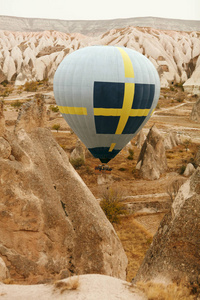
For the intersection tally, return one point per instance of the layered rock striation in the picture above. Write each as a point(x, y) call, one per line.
point(152, 161)
point(195, 113)
point(27, 56)
point(175, 251)
point(50, 223)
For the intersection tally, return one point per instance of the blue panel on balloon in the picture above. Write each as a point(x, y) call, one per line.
point(133, 124)
point(144, 94)
point(108, 94)
point(103, 153)
point(106, 124)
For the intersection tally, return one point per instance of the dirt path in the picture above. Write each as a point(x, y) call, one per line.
point(148, 196)
point(150, 222)
point(171, 108)
point(171, 116)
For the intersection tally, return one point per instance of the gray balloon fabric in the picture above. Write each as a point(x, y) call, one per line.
point(106, 94)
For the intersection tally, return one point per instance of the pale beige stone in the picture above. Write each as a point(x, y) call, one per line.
point(50, 221)
point(4, 273)
point(152, 156)
point(174, 252)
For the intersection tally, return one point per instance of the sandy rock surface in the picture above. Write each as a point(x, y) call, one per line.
point(174, 253)
point(50, 221)
point(90, 287)
point(4, 273)
point(195, 113)
point(152, 156)
point(36, 55)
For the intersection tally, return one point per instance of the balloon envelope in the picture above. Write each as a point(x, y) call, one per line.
point(106, 94)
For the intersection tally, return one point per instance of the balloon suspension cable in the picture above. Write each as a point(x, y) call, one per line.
point(102, 169)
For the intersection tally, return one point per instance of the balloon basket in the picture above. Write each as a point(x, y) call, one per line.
point(102, 169)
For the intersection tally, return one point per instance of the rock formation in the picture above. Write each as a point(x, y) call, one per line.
point(140, 139)
point(78, 154)
point(90, 286)
point(4, 273)
point(50, 223)
point(175, 251)
point(28, 56)
point(172, 140)
point(195, 114)
point(5, 148)
point(93, 27)
point(32, 114)
point(189, 170)
point(197, 157)
point(192, 85)
point(2, 119)
point(152, 156)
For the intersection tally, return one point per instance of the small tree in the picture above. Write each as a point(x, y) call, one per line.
point(19, 89)
point(77, 163)
point(186, 143)
point(16, 104)
point(56, 127)
point(131, 154)
point(54, 108)
point(31, 86)
point(112, 205)
point(173, 188)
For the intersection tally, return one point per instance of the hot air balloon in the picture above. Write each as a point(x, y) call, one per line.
point(106, 94)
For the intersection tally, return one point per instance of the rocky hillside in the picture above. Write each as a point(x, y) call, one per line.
point(36, 55)
point(93, 27)
point(50, 223)
point(175, 251)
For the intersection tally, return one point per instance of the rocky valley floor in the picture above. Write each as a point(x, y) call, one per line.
point(147, 200)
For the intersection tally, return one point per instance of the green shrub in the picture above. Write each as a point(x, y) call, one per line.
point(45, 82)
point(19, 89)
point(77, 163)
point(89, 171)
point(131, 154)
point(112, 205)
point(180, 85)
point(6, 92)
point(5, 82)
point(122, 169)
point(39, 96)
point(187, 143)
point(16, 104)
point(56, 127)
point(180, 100)
point(54, 108)
point(182, 169)
point(31, 86)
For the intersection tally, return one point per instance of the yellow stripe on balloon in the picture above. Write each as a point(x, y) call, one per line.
point(129, 90)
point(112, 147)
point(128, 68)
point(126, 108)
point(106, 112)
point(68, 110)
point(139, 112)
point(117, 112)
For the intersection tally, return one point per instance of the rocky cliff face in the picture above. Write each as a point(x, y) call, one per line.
point(175, 251)
point(195, 113)
point(50, 223)
point(152, 160)
point(36, 55)
point(93, 27)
